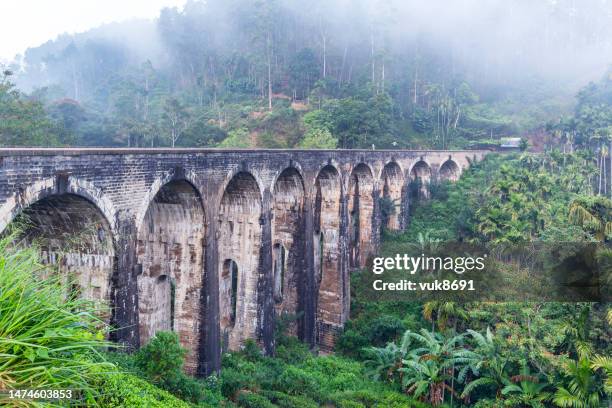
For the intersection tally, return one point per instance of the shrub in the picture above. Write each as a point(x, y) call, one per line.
point(234, 380)
point(296, 381)
point(162, 358)
point(124, 361)
point(293, 351)
point(125, 390)
point(283, 400)
point(47, 340)
point(250, 400)
point(385, 329)
point(161, 362)
point(187, 388)
point(374, 398)
point(251, 351)
point(351, 342)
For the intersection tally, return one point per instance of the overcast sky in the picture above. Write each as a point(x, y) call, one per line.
point(29, 23)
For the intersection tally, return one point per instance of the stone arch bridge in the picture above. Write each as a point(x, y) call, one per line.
point(215, 244)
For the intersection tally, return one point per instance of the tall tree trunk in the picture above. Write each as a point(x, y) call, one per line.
point(416, 75)
point(269, 46)
point(324, 55)
point(372, 56)
point(343, 63)
point(382, 77)
point(599, 167)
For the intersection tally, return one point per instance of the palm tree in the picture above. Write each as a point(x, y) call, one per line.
point(492, 366)
point(383, 362)
point(527, 389)
point(427, 243)
point(576, 330)
point(592, 213)
point(583, 390)
point(444, 314)
point(604, 363)
point(430, 366)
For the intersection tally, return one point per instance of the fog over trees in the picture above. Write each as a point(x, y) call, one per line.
point(265, 73)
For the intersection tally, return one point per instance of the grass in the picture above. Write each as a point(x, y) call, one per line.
point(48, 338)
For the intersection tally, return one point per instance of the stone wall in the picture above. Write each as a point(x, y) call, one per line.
point(216, 244)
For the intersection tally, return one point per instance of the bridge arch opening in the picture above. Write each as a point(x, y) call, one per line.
point(393, 183)
point(361, 210)
point(449, 171)
point(170, 250)
point(328, 274)
point(279, 255)
point(229, 290)
point(288, 235)
point(420, 177)
point(240, 235)
point(74, 236)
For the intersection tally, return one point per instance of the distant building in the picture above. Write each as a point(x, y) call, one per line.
point(510, 143)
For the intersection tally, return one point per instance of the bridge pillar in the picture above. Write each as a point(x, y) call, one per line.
point(405, 205)
point(210, 331)
point(376, 220)
point(308, 293)
point(267, 315)
point(125, 288)
point(344, 257)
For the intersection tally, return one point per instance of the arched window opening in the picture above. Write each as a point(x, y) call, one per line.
point(321, 255)
point(449, 171)
point(229, 288)
point(420, 177)
point(279, 256)
point(390, 202)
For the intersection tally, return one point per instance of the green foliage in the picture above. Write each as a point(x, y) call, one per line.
point(594, 214)
point(582, 388)
point(47, 340)
point(280, 399)
point(250, 400)
point(510, 354)
point(24, 121)
point(318, 138)
point(237, 138)
point(161, 359)
point(161, 362)
point(121, 390)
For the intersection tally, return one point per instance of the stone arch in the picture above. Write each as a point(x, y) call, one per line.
point(327, 253)
point(53, 186)
point(157, 185)
point(361, 210)
point(170, 250)
point(420, 177)
point(73, 234)
point(294, 167)
point(288, 235)
point(239, 239)
point(392, 179)
point(449, 171)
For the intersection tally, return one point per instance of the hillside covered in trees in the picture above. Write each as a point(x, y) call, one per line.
point(342, 74)
point(323, 74)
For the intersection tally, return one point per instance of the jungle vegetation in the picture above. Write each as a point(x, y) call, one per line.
point(272, 74)
point(266, 73)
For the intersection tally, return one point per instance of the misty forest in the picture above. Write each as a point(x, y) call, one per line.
point(528, 80)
